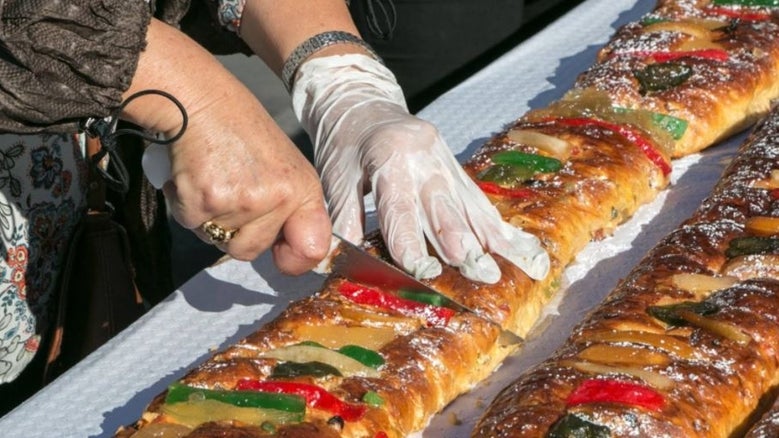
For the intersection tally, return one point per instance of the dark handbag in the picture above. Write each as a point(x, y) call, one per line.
point(97, 297)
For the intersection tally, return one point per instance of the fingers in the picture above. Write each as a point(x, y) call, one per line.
point(342, 183)
point(305, 240)
point(427, 199)
point(460, 223)
point(299, 240)
point(271, 203)
point(522, 249)
point(403, 232)
point(343, 190)
point(361, 127)
point(302, 242)
point(452, 237)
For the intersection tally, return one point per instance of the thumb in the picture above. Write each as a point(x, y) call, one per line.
point(304, 239)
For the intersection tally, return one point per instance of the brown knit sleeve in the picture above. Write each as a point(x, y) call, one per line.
point(63, 61)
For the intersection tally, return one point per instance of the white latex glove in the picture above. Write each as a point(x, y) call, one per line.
point(355, 112)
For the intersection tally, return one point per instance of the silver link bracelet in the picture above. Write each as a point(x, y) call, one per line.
point(315, 44)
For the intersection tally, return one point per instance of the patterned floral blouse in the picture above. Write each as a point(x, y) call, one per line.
point(42, 186)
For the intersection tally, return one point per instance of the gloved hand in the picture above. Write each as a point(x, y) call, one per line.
point(365, 138)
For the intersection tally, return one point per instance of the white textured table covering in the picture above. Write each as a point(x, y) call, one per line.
point(227, 302)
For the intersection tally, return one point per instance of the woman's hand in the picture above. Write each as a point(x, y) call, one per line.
point(233, 166)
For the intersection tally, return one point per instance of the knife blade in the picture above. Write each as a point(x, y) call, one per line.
point(358, 265)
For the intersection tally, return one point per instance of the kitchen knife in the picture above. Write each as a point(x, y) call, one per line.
point(358, 265)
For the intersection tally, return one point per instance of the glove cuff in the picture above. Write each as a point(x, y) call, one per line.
point(324, 81)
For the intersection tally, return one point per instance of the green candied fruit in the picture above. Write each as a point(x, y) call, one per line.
point(505, 175)
point(670, 314)
point(673, 125)
point(652, 19)
point(745, 2)
point(424, 297)
point(363, 355)
point(573, 426)
point(287, 370)
point(752, 245)
point(534, 162)
point(179, 393)
point(662, 76)
point(372, 398)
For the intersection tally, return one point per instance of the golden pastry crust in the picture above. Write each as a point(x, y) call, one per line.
point(713, 375)
point(604, 181)
point(425, 366)
point(721, 96)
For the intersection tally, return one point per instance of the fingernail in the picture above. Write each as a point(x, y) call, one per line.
point(525, 251)
point(425, 267)
point(325, 265)
point(480, 267)
point(534, 261)
point(539, 266)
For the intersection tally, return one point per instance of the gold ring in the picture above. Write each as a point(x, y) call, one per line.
point(217, 234)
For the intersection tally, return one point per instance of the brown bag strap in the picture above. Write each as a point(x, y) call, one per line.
point(96, 202)
point(96, 189)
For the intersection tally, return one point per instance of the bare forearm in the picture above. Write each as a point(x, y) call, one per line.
point(174, 63)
